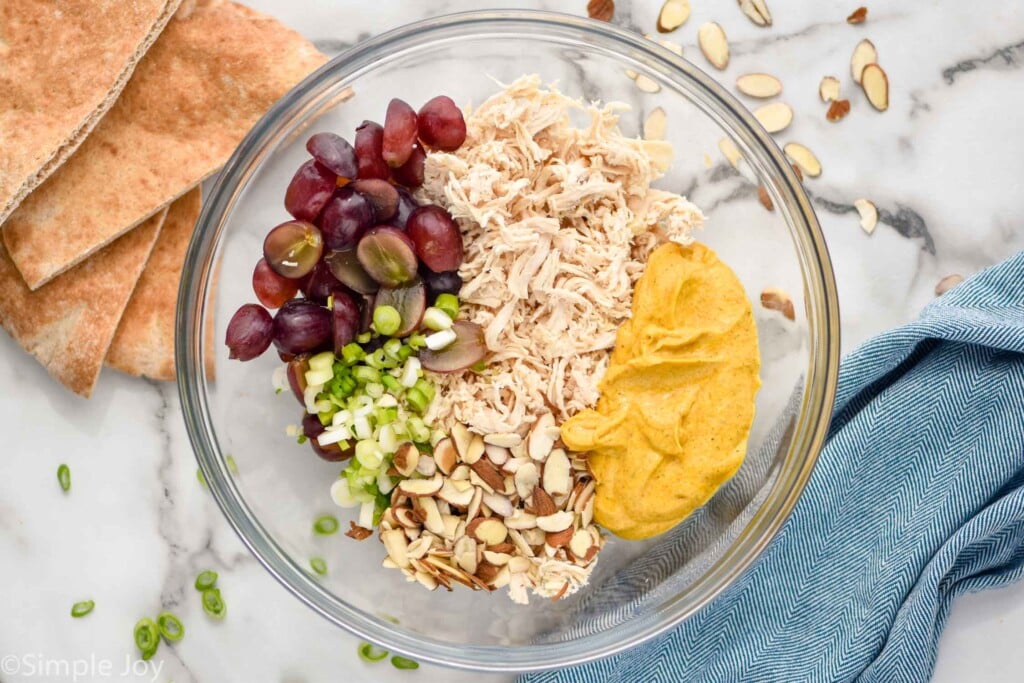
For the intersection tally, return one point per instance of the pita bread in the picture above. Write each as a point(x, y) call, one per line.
point(68, 324)
point(144, 343)
point(193, 97)
point(62, 65)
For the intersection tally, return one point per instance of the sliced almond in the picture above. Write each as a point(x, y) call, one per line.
point(474, 505)
point(396, 546)
point(486, 470)
point(520, 565)
point(451, 527)
point(433, 522)
point(460, 473)
point(875, 84)
point(522, 547)
point(474, 450)
point(776, 299)
point(660, 153)
point(465, 554)
point(555, 522)
point(419, 547)
point(714, 45)
point(759, 85)
point(868, 214)
point(765, 198)
point(655, 124)
point(406, 458)
point(426, 580)
point(445, 456)
point(602, 10)
point(496, 454)
point(671, 45)
point(406, 518)
point(864, 54)
point(421, 487)
point(580, 543)
point(557, 473)
point(499, 504)
point(455, 495)
point(828, 89)
point(584, 496)
point(729, 150)
point(775, 117)
point(673, 14)
point(756, 11)
point(426, 466)
point(837, 110)
point(542, 437)
point(559, 539)
point(504, 440)
point(858, 16)
point(630, 74)
point(542, 503)
point(487, 530)
point(521, 519)
point(804, 158)
point(357, 532)
point(487, 572)
point(461, 437)
point(646, 83)
point(947, 283)
point(499, 559)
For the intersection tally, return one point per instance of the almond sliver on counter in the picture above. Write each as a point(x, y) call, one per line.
point(193, 97)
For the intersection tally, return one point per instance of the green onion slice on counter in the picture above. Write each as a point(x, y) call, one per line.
point(400, 662)
point(170, 627)
point(318, 565)
point(213, 604)
point(64, 477)
point(147, 637)
point(325, 525)
point(368, 652)
point(80, 609)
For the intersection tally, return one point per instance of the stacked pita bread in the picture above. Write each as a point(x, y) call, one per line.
point(94, 237)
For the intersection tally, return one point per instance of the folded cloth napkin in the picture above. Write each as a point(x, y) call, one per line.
point(917, 497)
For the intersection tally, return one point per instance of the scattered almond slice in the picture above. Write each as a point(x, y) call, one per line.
point(775, 117)
point(875, 84)
point(673, 14)
point(655, 124)
point(858, 16)
point(828, 90)
point(864, 54)
point(630, 74)
point(759, 85)
point(602, 10)
point(765, 198)
point(947, 283)
point(670, 45)
point(776, 299)
point(647, 84)
point(660, 153)
point(868, 214)
point(714, 45)
point(799, 173)
point(730, 152)
point(804, 158)
point(837, 110)
point(756, 11)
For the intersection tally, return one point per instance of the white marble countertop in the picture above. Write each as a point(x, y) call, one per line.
point(944, 163)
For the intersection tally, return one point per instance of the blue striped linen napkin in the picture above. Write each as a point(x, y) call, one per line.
point(918, 496)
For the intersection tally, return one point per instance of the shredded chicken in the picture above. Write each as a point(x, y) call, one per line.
point(558, 222)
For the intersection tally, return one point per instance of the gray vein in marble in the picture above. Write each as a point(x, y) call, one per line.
point(905, 220)
point(1006, 58)
point(334, 46)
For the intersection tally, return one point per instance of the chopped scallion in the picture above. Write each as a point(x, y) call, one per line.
point(147, 637)
point(170, 627)
point(80, 609)
point(318, 565)
point(400, 662)
point(213, 604)
point(386, 320)
point(325, 525)
point(206, 580)
point(64, 477)
point(368, 652)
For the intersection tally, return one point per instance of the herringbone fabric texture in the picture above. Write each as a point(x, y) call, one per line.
point(918, 496)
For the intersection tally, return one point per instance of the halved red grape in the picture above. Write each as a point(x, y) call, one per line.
point(272, 289)
point(296, 371)
point(410, 302)
point(345, 319)
point(381, 194)
point(366, 319)
point(436, 237)
point(370, 151)
point(410, 173)
point(321, 284)
point(334, 153)
point(388, 256)
point(399, 132)
point(441, 124)
point(302, 326)
point(292, 249)
point(346, 267)
point(447, 282)
point(249, 332)
point(345, 218)
point(406, 205)
point(309, 191)
point(468, 349)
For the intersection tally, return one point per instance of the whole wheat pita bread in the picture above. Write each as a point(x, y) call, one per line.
point(69, 323)
point(193, 97)
point(62, 65)
point(144, 342)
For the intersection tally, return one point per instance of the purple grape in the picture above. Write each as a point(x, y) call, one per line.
point(272, 289)
point(468, 349)
point(249, 332)
point(410, 173)
point(447, 282)
point(345, 316)
point(292, 249)
point(321, 284)
point(345, 218)
point(441, 124)
point(406, 205)
point(370, 151)
point(302, 326)
point(388, 256)
point(399, 132)
point(309, 191)
point(381, 194)
point(410, 302)
point(437, 238)
point(346, 267)
point(333, 153)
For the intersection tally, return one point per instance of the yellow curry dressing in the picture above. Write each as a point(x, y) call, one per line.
point(677, 402)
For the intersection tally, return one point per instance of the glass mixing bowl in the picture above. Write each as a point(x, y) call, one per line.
point(638, 589)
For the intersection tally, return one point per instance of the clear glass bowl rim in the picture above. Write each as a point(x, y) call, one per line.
point(820, 299)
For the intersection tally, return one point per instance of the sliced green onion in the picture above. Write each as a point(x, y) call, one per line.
point(64, 477)
point(352, 353)
point(368, 652)
point(417, 341)
point(386, 320)
point(391, 383)
point(415, 398)
point(426, 388)
point(436, 319)
point(170, 627)
point(213, 604)
point(391, 347)
point(322, 361)
point(147, 637)
point(364, 338)
point(400, 662)
point(206, 580)
point(325, 525)
point(449, 303)
point(478, 366)
point(80, 609)
point(374, 389)
point(318, 565)
point(365, 374)
point(405, 352)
